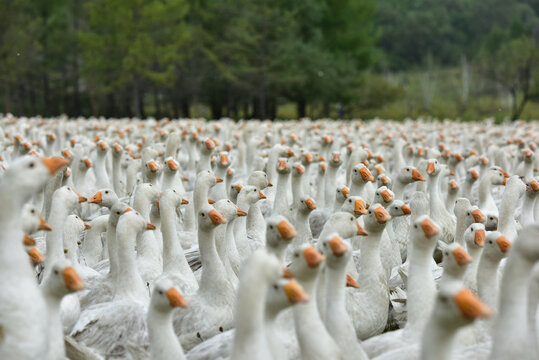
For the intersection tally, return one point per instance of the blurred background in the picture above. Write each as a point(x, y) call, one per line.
point(270, 58)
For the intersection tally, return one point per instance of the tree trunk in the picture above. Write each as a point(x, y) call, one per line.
point(301, 108)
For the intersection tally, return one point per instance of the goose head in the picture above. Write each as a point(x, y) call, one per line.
point(62, 280)
point(209, 218)
point(116, 211)
point(474, 215)
point(433, 168)
point(336, 250)
point(472, 175)
point(306, 261)
point(223, 162)
point(398, 208)
point(171, 165)
point(207, 178)
point(228, 209)
point(282, 294)
point(342, 193)
point(455, 307)
point(307, 158)
point(172, 197)
point(279, 233)
point(532, 188)
point(335, 160)
point(85, 164)
point(361, 174)
point(527, 155)
point(148, 192)
point(259, 179)
point(306, 205)
point(376, 218)
point(166, 297)
point(496, 246)
point(135, 221)
point(101, 148)
point(383, 180)
point(453, 187)
point(355, 205)
point(250, 194)
point(474, 236)
point(28, 174)
point(207, 146)
point(117, 150)
point(297, 170)
point(152, 169)
point(68, 196)
point(105, 197)
point(344, 224)
point(32, 220)
point(383, 196)
point(455, 259)
point(497, 176)
point(424, 232)
point(283, 166)
point(526, 244)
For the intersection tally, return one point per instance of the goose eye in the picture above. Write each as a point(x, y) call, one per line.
point(106, 192)
point(69, 189)
point(173, 190)
point(55, 272)
point(370, 212)
point(491, 218)
point(31, 165)
point(254, 190)
point(351, 219)
point(490, 242)
point(160, 292)
point(415, 226)
point(203, 214)
point(407, 169)
point(350, 201)
point(296, 255)
point(446, 253)
point(117, 213)
point(271, 227)
point(396, 208)
point(325, 245)
point(275, 287)
point(33, 211)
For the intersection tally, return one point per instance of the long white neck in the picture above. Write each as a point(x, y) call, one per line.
point(169, 178)
point(128, 282)
point(55, 247)
point(213, 276)
point(164, 343)
point(437, 341)
point(174, 261)
point(528, 207)
point(54, 330)
point(512, 311)
point(461, 229)
point(329, 186)
point(280, 205)
point(398, 189)
point(112, 247)
point(100, 170)
point(437, 207)
point(297, 189)
point(508, 208)
point(421, 290)
point(303, 228)
point(117, 174)
point(487, 289)
point(485, 197)
point(371, 263)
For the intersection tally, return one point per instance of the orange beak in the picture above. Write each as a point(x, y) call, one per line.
point(338, 247)
point(238, 188)
point(153, 166)
point(478, 216)
point(43, 225)
point(261, 196)
point(97, 198)
point(503, 244)
point(366, 174)
point(461, 256)
point(336, 157)
point(27, 240)
point(430, 168)
point(386, 196)
point(308, 157)
point(350, 282)
point(295, 293)
point(359, 207)
point(72, 280)
point(416, 175)
point(453, 184)
point(117, 148)
point(310, 204)
point(345, 191)
point(382, 216)
point(88, 163)
point(127, 210)
point(534, 185)
point(282, 165)
point(81, 198)
point(384, 180)
point(211, 201)
point(224, 159)
point(209, 144)
point(149, 226)
point(216, 218)
point(185, 201)
point(459, 157)
point(286, 230)
point(35, 256)
point(176, 299)
point(67, 154)
point(172, 165)
point(479, 238)
point(218, 180)
point(360, 231)
point(87, 226)
point(406, 209)
point(312, 257)
point(470, 306)
point(474, 174)
point(240, 212)
point(54, 163)
point(300, 169)
point(102, 145)
point(429, 228)
point(287, 274)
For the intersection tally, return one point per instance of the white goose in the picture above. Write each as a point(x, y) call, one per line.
point(22, 307)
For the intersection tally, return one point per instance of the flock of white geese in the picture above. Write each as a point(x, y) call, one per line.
point(330, 240)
